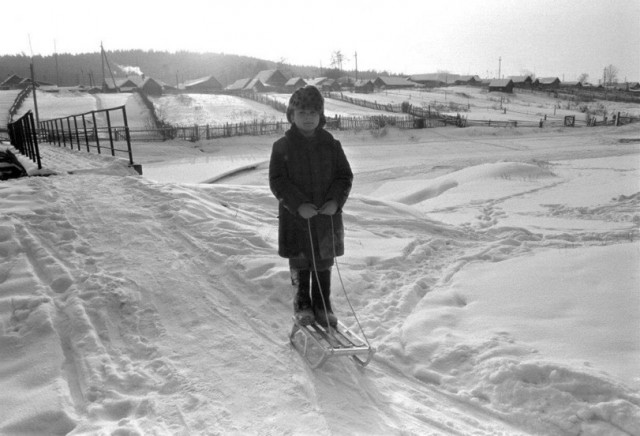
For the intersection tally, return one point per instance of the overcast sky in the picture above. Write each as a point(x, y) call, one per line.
point(562, 38)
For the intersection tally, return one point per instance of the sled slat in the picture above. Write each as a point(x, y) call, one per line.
point(330, 343)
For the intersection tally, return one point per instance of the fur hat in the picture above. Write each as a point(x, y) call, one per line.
point(306, 98)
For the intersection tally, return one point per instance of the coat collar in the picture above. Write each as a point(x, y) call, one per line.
point(321, 135)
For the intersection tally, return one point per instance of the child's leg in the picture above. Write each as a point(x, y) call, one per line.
point(302, 300)
point(321, 293)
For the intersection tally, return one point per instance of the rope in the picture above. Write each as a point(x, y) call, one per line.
point(315, 269)
point(333, 239)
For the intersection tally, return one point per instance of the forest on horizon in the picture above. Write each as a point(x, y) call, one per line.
point(66, 69)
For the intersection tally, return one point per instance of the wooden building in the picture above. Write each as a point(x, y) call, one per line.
point(432, 80)
point(237, 86)
point(11, 82)
point(295, 83)
point(468, 80)
point(206, 84)
point(524, 82)
point(364, 86)
point(389, 82)
point(501, 85)
point(271, 79)
point(547, 83)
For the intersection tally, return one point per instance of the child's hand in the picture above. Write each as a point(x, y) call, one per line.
point(329, 208)
point(307, 210)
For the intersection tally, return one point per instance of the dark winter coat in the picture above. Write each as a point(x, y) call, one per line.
point(309, 171)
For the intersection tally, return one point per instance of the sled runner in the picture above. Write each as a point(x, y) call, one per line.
point(317, 344)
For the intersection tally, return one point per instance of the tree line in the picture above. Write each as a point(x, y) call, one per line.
point(66, 69)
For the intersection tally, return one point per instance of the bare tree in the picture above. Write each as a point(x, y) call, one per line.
point(582, 78)
point(610, 75)
point(337, 59)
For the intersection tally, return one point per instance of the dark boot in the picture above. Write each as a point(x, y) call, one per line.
point(302, 308)
point(321, 293)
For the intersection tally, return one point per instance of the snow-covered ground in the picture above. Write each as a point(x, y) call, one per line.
point(203, 109)
point(476, 103)
point(495, 271)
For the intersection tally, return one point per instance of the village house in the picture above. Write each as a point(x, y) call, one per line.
point(388, 82)
point(11, 82)
point(256, 85)
point(524, 82)
point(272, 80)
point(469, 80)
point(501, 85)
point(432, 80)
point(575, 84)
point(364, 86)
point(204, 85)
point(324, 84)
point(294, 83)
point(237, 86)
point(118, 85)
point(547, 83)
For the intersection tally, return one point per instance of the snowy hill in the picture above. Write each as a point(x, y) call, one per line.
point(494, 271)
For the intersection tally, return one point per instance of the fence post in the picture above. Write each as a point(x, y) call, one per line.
point(75, 123)
point(57, 132)
point(86, 135)
point(35, 143)
point(113, 151)
point(128, 137)
point(64, 137)
point(95, 130)
point(70, 133)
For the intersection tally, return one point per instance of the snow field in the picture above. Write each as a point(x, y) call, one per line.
point(492, 271)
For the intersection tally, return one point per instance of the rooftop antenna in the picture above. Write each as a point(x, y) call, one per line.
point(33, 84)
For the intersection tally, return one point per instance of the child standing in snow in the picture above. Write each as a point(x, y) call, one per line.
point(311, 177)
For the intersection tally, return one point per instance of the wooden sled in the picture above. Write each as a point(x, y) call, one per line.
point(317, 344)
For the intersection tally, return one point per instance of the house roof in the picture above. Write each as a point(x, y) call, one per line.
point(294, 81)
point(394, 81)
point(547, 80)
point(437, 77)
point(500, 83)
point(203, 80)
point(363, 82)
point(238, 84)
point(519, 79)
point(254, 83)
point(317, 81)
point(13, 79)
point(266, 76)
point(467, 78)
point(126, 82)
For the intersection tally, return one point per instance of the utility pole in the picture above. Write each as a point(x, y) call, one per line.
point(356, 57)
point(104, 81)
point(33, 89)
point(33, 85)
point(499, 67)
point(55, 53)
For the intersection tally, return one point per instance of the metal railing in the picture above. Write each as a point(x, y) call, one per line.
point(24, 137)
point(98, 131)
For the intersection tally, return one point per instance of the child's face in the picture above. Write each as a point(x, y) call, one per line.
point(306, 120)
